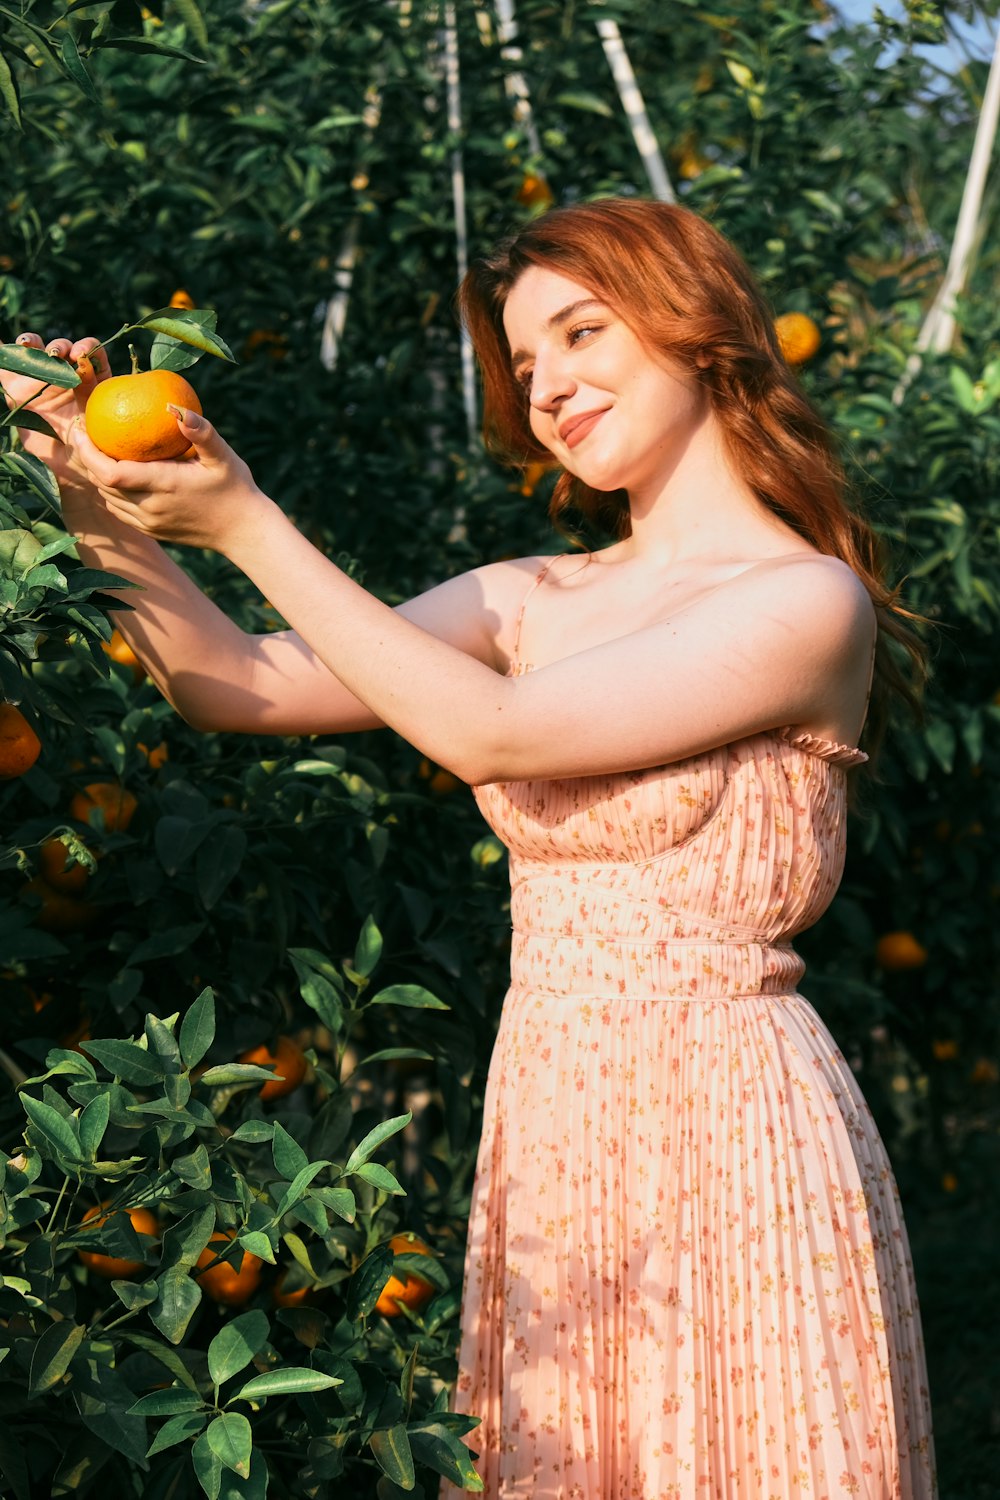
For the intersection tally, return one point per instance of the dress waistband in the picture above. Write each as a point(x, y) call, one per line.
point(588, 966)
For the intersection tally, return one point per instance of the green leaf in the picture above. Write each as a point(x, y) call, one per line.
point(167, 1403)
point(231, 1440)
point(365, 1286)
point(198, 1028)
point(236, 1073)
point(8, 90)
point(207, 1466)
point(443, 1451)
point(218, 863)
point(380, 1177)
point(592, 104)
point(178, 1299)
point(338, 1200)
point(396, 1054)
point(193, 20)
point(52, 1355)
point(177, 1430)
point(73, 64)
point(167, 944)
point(391, 1448)
point(135, 1295)
point(188, 333)
point(234, 1346)
point(93, 1124)
point(254, 1131)
point(369, 948)
point(288, 1156)
point(126, 1061)
point(412, 995)
point(290, 1380)
point(166, 1356)
point(297, 1188)
point(186, 1238)
point(39, 366)
point(258, 1243)
point(374, 1139)
point(59, 1134)
point(40, 478)
point(963, 389)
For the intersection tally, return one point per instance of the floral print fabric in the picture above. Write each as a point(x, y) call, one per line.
point(687, 1272)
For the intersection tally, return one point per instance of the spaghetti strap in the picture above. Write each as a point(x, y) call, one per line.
point(531, 589)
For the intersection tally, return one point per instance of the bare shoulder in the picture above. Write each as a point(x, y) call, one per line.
point(821, 596)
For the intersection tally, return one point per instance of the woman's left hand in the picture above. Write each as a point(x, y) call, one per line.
point(205, 500)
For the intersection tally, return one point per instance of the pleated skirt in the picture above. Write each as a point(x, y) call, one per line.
point(687, 1274)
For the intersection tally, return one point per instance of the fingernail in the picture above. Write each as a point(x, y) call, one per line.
point(189, 418)
point(23, 338)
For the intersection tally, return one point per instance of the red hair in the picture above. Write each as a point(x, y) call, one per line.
point(685, 291)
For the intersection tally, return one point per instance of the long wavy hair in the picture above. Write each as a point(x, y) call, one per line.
point(684, 291)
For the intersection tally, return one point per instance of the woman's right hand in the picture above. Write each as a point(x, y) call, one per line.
point(59, 407)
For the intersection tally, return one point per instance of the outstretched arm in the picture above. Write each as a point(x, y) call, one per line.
point(753, 656)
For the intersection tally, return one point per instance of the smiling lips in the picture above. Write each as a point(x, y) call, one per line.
point(576, 429)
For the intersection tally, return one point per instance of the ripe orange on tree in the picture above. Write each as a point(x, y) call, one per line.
point(222, 1282)
point(53, 857)
point(181, 298)
point(535, 192)
point(111, 1266)
point(60, 912)
point(127, 416)
point(798, 336)
point(119, 650)
point(281, 1298)
point(900, 950)
point(157, 757)
point(20, 746)
point(441, 782)
point(288, 1060)
point(415, 1292)
point(115, 801)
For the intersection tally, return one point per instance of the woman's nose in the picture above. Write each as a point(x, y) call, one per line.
point(551, 382)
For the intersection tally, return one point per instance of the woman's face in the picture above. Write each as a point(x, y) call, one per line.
point(610, 410)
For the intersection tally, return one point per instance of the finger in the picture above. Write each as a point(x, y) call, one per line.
point(201, 434)
point(129, 481)
point(90, 360)
point(59, 348)
point(30, 340)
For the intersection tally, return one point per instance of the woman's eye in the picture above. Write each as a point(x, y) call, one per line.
point(575, 334)
point(523, 380)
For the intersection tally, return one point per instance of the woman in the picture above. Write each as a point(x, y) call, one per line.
point(687, 1272)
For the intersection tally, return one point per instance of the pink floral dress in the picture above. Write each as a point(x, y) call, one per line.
point(687, 1272)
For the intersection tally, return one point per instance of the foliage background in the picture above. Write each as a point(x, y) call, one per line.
point(834, 159)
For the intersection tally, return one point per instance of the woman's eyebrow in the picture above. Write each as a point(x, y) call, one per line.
point(556, 321)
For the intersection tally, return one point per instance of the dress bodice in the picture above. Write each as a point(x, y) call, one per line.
point(687, 878)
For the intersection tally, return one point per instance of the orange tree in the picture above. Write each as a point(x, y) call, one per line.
point(236, 152)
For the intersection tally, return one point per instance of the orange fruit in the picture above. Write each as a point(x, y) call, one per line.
point(157, 757)
point(181, 298)
point(69, 878)
point(223, 1283)
point(115, 801)
point(109, 1265)
point(127, 416)
point(798, 336)
point(119, 650)
point(59, 912)
point(441, 781)
point(281, 1298)
point(535, 192)
point(900, 950)
point(415, 1292)
point(20, 746)
point(944, 1049)
point(268, 341)
point(534, 473)
point(287, 1059)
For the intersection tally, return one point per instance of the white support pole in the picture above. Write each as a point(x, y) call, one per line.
point(938, 329)
point(514, 80)
point(336, 308)
point(635, 110)
point(454, 96)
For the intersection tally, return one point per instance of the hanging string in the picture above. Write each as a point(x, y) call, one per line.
point(454, 97)
point(515, 83)
point(938, 329)
point(635, 111)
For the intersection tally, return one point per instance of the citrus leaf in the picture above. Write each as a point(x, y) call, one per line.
point(297, 1187)
point(198, 1028)
point(193, 20)
point(391, 1448)
point(73, 64)
point(167, 1403)
point(286, 1382)
point(380, 1177)
point(189, 333)
point(175, 1306)
point(231, 1440)
point(8, 89)
point(234, 1346)
point(288, 1156)
point(51, 1356)
point(369, 948)
point(413, 995)
point(60, 1134)
point(93, 1124)
point(374, 1139)
point(38, 366)
point(177, 1430)
point(126, 1061)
